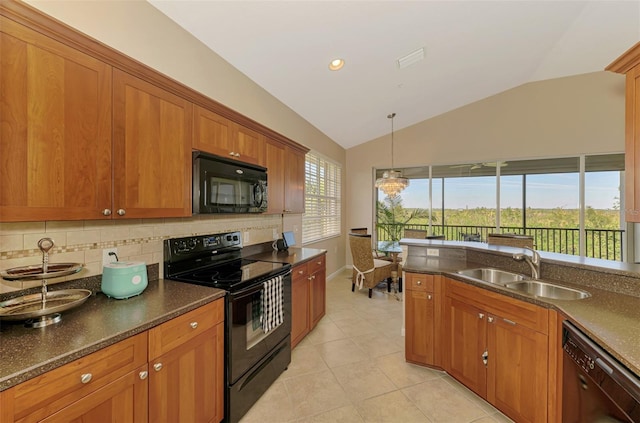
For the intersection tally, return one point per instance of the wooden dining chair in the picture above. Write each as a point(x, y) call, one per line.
point(415, 233)
point(368, 272)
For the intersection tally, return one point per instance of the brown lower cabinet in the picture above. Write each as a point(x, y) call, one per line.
point(173, 372)
point(308, 297)
point(497, 346)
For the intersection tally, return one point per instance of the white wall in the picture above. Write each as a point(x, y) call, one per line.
point(582, 114)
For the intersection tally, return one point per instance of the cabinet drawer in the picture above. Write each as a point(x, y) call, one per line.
point(42, 396)
point(419, 282)
point(183, 328)
point(508, 309)
point(300, 271)
point(316, 264)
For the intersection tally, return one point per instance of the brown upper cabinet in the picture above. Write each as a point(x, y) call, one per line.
point(285, 178)
point(55, 136)
point(87, 133)
point(218, 135)
point(629, 64)
point(151, 149)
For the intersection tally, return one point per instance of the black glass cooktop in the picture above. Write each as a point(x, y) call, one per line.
point(233, 274)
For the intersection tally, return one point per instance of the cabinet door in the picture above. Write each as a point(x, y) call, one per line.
point(419, 327)
point(275, 177)
point(124, 400)
point(300, 324)
point(152, 150)
point(55, 129)
point(294, 181)
point(632, 146)
point(186, 384)
point(248, 145)
point(517, 370)
point(212, 133)
point(466, 339)
point(318, 296)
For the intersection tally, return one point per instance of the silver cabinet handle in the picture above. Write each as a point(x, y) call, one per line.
point(237, 154)
point(511, 322)
point(428, 296)
point(286, 210)
point(143, 374)
point(121, 212)
point(106, 212)
point(480, 315)
point(485, 357)
point(318, 263)
point(300, 272)
point(418, 283)
point(157, 367)
point(193, 325)
point(490, 319)
point(86, 378)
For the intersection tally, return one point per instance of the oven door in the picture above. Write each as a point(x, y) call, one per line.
point(246, 342)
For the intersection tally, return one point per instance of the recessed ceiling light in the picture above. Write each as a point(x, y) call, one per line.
point(336, 64)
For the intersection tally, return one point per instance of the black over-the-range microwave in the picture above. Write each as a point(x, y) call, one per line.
point(222, 185)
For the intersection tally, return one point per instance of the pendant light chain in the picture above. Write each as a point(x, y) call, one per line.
point(391, 116)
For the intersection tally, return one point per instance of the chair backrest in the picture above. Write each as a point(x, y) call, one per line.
point(361, 231)
point(361, 251)
point(510, 240)
point(415, 233)
point(436, 237)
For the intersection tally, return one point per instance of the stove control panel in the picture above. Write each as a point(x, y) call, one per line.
point(199, 244)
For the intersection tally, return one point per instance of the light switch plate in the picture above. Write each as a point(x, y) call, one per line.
point(433, 252)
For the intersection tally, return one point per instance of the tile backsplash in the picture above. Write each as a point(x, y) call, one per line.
point(135, 239)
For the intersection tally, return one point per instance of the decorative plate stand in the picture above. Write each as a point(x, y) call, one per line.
point(39, 310)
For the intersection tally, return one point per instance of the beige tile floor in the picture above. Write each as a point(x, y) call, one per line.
point(351, 368)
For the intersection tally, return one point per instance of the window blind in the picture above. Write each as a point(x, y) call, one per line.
point(323, 180)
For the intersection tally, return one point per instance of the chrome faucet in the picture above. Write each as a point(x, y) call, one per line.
point(533, 261)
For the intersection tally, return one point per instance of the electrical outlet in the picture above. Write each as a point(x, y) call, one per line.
point(245, 237)
point(433, 252)
point(106, 258)
point(275, 234)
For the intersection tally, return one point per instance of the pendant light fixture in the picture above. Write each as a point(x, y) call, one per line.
point(392, 181)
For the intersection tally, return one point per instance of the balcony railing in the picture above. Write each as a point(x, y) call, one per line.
point(604, 244)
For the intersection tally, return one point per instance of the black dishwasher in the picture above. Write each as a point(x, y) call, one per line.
point(596, 387)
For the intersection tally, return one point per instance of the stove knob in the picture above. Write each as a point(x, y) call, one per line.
point(236, 238)
point(229, 238)
point(192, 243)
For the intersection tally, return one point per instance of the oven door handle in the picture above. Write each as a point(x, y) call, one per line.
point(255, 288)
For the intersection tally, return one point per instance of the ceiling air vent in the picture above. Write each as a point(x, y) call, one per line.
point(411, 58)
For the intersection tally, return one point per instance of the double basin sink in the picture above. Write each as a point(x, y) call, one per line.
point(523, 284)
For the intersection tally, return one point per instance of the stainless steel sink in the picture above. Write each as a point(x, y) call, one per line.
point(548, 290)
point(495, 276)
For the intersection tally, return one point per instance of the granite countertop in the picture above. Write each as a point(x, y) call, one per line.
point(611, 319)
point(292, 256)
point(99, 322)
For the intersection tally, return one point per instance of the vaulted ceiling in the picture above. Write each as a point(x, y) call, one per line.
point(472, 49)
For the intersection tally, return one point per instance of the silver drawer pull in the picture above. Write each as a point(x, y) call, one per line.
point(511, 322)
point(193, 325)
point(157, 367)
point(143, 374)
point(86, 378)
point(490, 319)
point(429, 297)
point(418, 283)
point(480, 315)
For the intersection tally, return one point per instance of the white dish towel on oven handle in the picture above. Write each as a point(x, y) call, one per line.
point(272, 304)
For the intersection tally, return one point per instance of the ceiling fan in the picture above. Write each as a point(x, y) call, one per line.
point(474, 166)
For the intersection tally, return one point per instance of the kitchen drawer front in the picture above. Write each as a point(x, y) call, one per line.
point(175, 332)
point(316, 264)
point(300, 271)
point(37, 398)
point(508, 309)
point(419, 282)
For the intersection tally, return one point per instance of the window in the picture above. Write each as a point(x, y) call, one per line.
point(322, 199)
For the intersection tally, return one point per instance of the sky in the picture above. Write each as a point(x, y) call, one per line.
point(543, 191)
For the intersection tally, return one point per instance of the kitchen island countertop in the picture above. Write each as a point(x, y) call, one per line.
point(610, 318)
